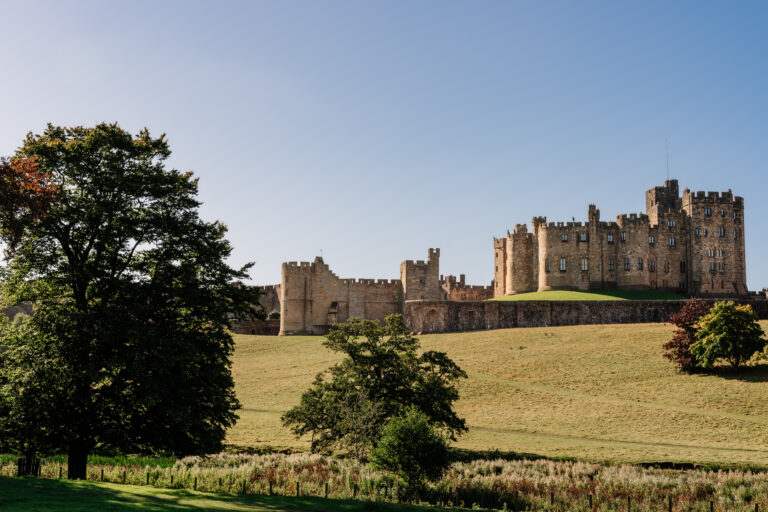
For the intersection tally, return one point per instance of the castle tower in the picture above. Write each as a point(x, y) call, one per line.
point(421, 279)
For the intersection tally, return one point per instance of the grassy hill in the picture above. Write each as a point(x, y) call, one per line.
point(594, 295)
point(599, 392)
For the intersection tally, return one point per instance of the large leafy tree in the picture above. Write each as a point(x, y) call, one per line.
point(730, 332)
point(128, 347)
point(381, 376)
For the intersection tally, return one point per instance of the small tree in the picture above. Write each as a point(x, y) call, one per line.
point(412, 448)
point(678, 349)
point(382, 375)
point(730, 332)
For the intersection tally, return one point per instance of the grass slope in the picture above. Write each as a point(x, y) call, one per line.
point(599, 392)
point(594, 295)
point(33, 495)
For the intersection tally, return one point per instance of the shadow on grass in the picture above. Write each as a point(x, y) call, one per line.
point(756, 374)
point(32, 494)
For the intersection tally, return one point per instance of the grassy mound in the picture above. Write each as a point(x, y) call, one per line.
point(594, 295)
point(598, 392)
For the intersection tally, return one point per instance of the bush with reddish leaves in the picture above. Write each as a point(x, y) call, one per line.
point(678, 349)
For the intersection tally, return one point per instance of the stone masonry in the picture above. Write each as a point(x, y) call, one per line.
point(692, 244)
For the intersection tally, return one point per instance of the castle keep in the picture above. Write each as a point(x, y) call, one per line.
point(692, 244)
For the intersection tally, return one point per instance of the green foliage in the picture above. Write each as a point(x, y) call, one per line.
point(380, 377)
point(273, 315)
point(729, 332)
point(411, 448)
point(128, 348)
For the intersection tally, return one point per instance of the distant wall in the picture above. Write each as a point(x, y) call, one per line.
point(459, 290)
point(270, 300)
point(448, 316)
point(263, 327)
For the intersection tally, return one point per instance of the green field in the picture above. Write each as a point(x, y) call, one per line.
point(33, 495)
point(597, 392)
point(594, 295)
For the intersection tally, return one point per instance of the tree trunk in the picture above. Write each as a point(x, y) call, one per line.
point(77, 461)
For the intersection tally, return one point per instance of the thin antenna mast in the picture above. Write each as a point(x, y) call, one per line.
point(666, 148)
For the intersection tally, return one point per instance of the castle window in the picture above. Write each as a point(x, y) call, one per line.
point(735, 234)
point(711, 265)
point(583, 237)
point(707, 212)
point(562, 264)
point(546, 265)
point(421, 280)
point(721, 266)
point(651, 266)
point(623, 236)
point(721, 231)
point(627, 264)
point(711, 253)
point(722, 212)
point(671, 223)
point(719, 253)
point(734, 215)
point(610, 238)
point(564, 237)
point(651, 240)
point(666, 268)
point(697, 232)
point(610, 265)
point(584, 264)
point(682, 267)
point(705, 231)
point(639, 263)
point(671, 242)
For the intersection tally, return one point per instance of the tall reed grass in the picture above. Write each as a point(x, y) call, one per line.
point(495, 484)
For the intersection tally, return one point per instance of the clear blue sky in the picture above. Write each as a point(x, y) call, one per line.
point(374, 130)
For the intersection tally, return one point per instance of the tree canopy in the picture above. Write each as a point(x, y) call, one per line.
point(380, 377)
point(729, 332)
point(128, 347)
point(411, 448)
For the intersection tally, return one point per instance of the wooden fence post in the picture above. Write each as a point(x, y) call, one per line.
point(590, 502)
point(171, 478)
point(551, 498)
point(60, 471)
point(326, 489)
point(147, 477)
point(270, 487)
point(102, 474)
point(123, 476)
point(297, 488)
point(195, 485)
point(629, 504)
point(669, 504)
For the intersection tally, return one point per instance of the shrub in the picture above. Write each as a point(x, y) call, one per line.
point(678, 349)
point(273, 315)
point(412, 448)
point(729, 332)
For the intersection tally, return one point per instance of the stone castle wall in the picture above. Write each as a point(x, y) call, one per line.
point(460, 291)
point(692, 245)
point(447, 316)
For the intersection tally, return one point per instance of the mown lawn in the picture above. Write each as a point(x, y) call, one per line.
point(598, 392)
point(594, 295)
point(40, 495)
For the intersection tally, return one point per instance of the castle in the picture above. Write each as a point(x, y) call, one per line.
point(692, 245)
point(312, 297)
